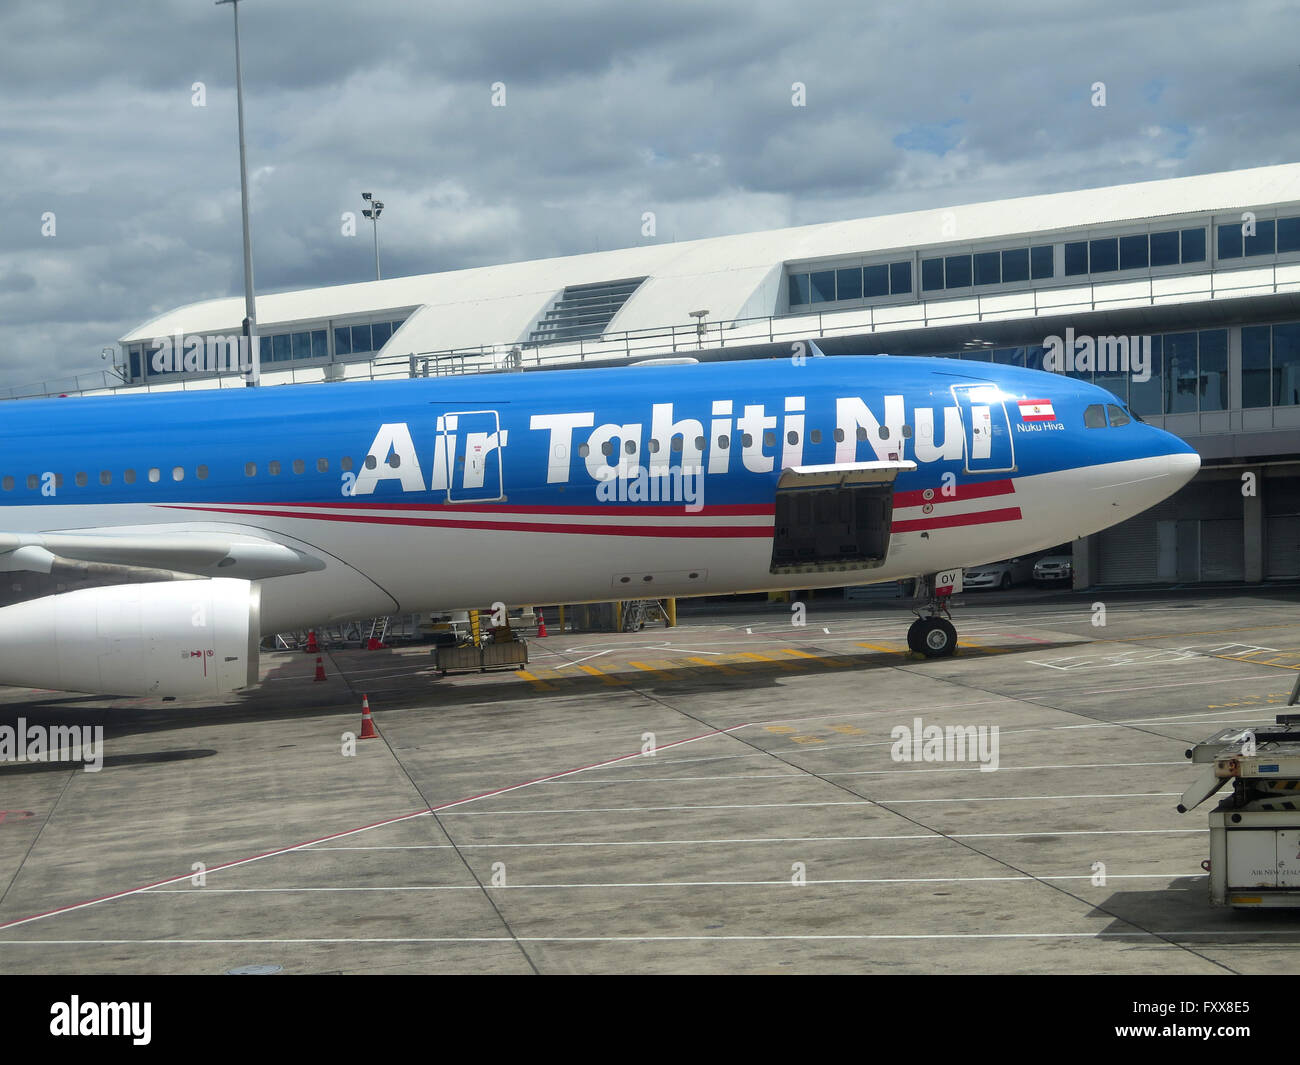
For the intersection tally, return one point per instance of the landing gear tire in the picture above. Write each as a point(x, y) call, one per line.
point(915, 635)
point(932, 637)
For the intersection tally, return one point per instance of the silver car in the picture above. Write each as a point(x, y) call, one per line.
point(1053, 569)
point(998, 574)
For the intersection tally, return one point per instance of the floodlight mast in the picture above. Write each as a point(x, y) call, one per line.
point(373, 212)
point(253, 371)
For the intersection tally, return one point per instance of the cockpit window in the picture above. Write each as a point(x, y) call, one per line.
point(1094, 417)
point(1135, 416)
point(1117, 415)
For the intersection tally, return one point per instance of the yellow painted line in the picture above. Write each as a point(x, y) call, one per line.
point(647, 668)
point(850, 730)
point(816, 658)
point(882, 647)
point(777, 728)
point(774, 661)
point(613, 682)
point(537, 682)
point(719, 666)
point(807, 739)
point(972, 645)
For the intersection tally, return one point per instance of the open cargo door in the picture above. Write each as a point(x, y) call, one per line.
point(834, 517)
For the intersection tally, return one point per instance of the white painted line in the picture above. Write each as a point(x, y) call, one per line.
point(1136, 933)
point(782, 883)
point(870, 772)
point(796, 805)
point(579, 662)
point(1036, 837)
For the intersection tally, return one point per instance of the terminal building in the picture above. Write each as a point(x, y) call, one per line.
point(1201, 272)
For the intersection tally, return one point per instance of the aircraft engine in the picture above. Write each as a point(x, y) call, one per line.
point(169, 638)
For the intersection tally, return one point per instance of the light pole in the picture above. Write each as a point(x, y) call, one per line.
point(254, 370)
point(373, 212)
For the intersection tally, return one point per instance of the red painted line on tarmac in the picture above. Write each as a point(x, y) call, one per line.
point(352, 831)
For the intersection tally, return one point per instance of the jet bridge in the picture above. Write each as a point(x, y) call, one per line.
point(1255, 829)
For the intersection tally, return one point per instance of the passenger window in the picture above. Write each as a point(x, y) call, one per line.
point(583, 451)
point(394, 462)
point(346, 464)
point(273, 468)
point(629, 446)
point(8, 484)
point(82, 480)
point(815, 436)
point(1094, 417)
point(155, 475)
point(839, 436)
point(654, 446)
point(250, 469)
point(724, 442)
point(371, 463)
point(699, 443)
point(178, 473)
point(105, 477)
point(862, 432)
point(792, 437)
point(1117, 415)
point(746, 440)
point(129, 476)
point(202, 472)
point(300, 467)
point(33, 481)
point(322, 465)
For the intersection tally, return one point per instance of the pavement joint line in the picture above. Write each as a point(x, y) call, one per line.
point(72, 907)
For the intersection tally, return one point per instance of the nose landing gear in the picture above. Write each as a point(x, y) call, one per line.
point(932, 634)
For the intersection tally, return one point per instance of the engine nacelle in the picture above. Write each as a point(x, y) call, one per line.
point(171, 638)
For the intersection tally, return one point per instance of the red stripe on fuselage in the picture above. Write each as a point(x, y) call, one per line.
point(674, 531)
point(959, 492)
point(721, 510)
point(948, 521)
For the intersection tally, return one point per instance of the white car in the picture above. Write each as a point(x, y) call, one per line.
point(998, 574)
point(1054, 568)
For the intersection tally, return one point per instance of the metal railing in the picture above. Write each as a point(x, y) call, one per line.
point(684, 339)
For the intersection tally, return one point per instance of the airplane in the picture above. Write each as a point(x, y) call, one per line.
point(249, 512)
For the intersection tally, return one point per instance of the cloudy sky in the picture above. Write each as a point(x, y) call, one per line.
point(680, 107)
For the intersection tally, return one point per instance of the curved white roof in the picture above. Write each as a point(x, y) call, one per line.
point(733, 276)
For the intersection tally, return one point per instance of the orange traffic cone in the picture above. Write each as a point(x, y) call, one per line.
point(541, 625)
point(367, 723)
point(320, 669)
point(312, 646)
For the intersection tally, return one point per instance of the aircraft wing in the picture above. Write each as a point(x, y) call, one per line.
point(216, 553)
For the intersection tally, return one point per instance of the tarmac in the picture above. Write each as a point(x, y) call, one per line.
point(731, 795)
